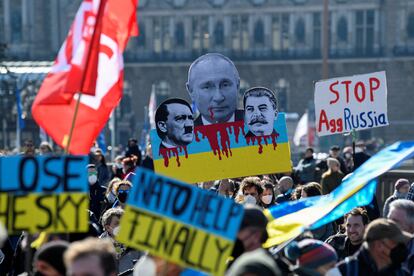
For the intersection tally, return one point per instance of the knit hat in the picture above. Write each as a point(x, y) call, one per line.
point(52, 253)
point(310, 253)
point(401, 182)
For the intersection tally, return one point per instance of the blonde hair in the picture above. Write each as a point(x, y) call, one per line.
point(122, 182)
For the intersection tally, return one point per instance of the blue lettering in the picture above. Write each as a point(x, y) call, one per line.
point(363, 121)
point(381, 119)
point(347, 114)
point(370, 119)
point(356, 124)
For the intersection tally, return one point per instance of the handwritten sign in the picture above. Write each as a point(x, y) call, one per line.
point(351, 103)
point(179, 222)
point(44, 194)
point(224, 150)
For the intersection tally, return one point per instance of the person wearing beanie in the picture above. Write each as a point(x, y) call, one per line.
point(312, 257)
point(48, 260)
point(401, 188)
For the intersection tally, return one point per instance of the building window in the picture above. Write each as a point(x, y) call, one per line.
point(365, 21)
point(410, 26)
point(166, 36)
point(196, 33)
point(259, 33)
point(235, 33)
point(157, 35)
point(276, 33)
point(342, 30)
point(300, 31)
point(179, 34)
point(219, 34)
point(245, 32)
point(285, 32)
point(317, 34)
point(16, 21)
point(205, 33)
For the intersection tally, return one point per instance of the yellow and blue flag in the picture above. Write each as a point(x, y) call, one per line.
point(290, 219)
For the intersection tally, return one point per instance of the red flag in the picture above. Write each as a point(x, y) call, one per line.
point(89, 61)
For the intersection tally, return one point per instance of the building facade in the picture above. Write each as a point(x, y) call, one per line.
point(274, 43)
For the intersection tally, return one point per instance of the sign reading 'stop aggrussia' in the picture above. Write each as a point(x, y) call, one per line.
point(351, 103)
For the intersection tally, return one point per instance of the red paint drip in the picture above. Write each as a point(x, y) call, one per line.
point(167, 153)
point(211, 113)
point(264, 138)
point(213, 131)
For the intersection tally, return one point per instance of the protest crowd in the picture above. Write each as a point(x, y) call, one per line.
point(71, 209)
point(366, 241)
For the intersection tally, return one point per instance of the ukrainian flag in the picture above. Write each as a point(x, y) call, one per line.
point(288, 220)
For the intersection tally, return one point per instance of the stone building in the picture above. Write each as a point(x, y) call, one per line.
point(274, 43)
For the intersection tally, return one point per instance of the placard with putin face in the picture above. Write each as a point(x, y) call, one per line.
point(220, 141)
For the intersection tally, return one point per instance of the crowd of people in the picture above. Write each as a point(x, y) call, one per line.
point(363, 242)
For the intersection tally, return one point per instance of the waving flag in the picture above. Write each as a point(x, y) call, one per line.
point(90, 62)
point(290, 219)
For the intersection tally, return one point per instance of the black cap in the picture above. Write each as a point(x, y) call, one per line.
point(335, 148)
point(253, 216)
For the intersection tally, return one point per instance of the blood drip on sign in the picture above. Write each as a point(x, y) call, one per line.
point(264, 138)
point(224, 129)
point(211, 113)
point(167, 153)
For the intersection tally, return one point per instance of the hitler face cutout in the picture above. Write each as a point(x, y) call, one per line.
point(176, 128)
point(259, 115)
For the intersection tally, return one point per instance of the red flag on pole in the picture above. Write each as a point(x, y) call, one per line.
point(89, 61)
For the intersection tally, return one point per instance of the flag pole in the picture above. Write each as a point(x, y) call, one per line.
point(72, 127)
point(95, 33)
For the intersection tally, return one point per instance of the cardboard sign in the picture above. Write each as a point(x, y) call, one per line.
point(351, 103)
point(179, 222)
point(225, 150)
point(45, 193)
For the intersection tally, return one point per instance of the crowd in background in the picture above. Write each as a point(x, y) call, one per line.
point(366, 241)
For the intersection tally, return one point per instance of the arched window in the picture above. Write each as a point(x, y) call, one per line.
point(179, 34)
point(300, 31)
point(342, 29)
point(259, 32)
point(219, 34)
point(410, 26)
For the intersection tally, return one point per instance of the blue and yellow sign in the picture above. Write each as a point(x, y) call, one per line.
point(225, 150)
point(179, 222)
point(45, 193)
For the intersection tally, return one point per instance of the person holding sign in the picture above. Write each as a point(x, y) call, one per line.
point(213, 84)
point(260, 111)
point(174, 123)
